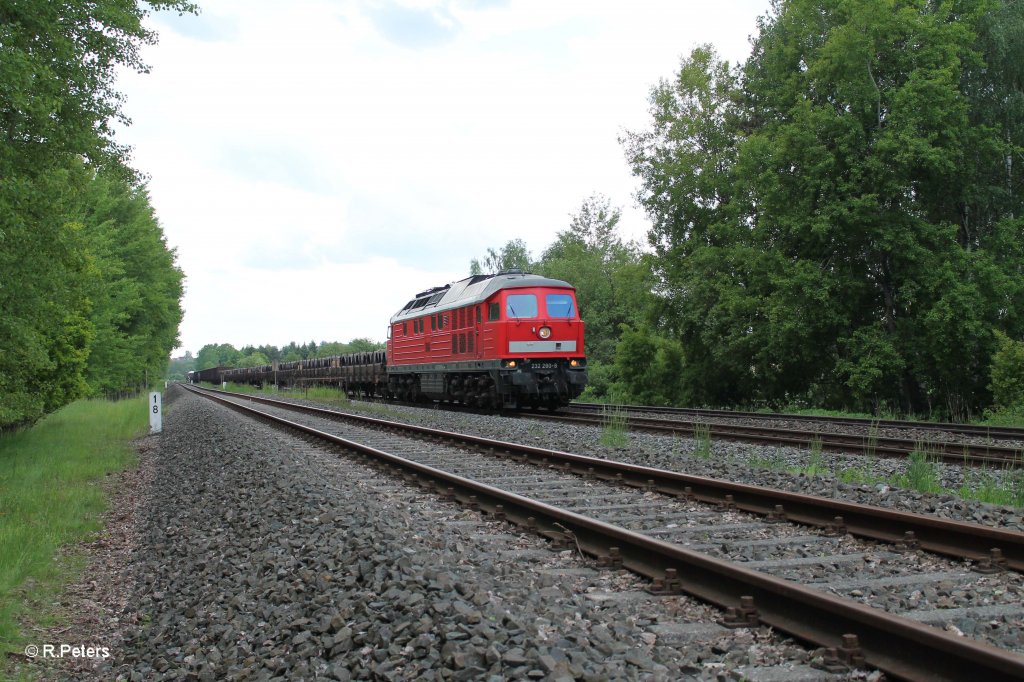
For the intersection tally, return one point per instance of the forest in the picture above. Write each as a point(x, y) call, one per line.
point(89, 290)
point(836, 222)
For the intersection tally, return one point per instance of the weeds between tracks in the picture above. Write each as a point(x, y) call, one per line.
point(615, 432)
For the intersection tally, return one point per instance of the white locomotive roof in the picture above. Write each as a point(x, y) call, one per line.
point(470, 291)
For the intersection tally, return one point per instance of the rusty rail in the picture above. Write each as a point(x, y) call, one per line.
point(853, 633)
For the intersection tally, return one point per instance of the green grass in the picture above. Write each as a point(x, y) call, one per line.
point(702, 440)
point(50, 496)
point(331, 395)
point(871, 440)
point(981, 484)
point(1011, 416)
point(615, 433)
point(862, 475)
point(922, 471)
point(774, 462)
point(815, 460)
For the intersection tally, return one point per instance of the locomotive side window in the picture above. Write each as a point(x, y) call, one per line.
point(560, 305)
point(478, 320)
point(493, 311)
point(519, 306)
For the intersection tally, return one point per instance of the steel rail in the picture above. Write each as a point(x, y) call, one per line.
point(952, 453)
point(852, 631)
point(999, 432)
point(992, 547)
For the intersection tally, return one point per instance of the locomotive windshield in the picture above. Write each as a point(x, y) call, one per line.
point(519, 306)
point(560, 305)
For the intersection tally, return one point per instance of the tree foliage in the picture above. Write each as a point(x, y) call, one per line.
point(1008, 372)
point(57, 72)
point(217, 355)
point(612, 278)
point(136, 288)
point(66, 318)
point(613, 283)
point(226, 355)
point(838, 219)
point(514, 255)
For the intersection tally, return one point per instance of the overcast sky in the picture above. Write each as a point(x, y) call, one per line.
point(316, 163)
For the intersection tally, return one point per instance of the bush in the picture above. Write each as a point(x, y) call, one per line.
point(1007, 372)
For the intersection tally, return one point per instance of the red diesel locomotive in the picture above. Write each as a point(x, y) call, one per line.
point(506, 340)
point(495, 341)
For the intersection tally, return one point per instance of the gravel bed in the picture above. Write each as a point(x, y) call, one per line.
point(760, 465)
point(898, 582)
point(263, 557)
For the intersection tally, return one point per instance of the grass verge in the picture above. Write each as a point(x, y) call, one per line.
point(50, 496)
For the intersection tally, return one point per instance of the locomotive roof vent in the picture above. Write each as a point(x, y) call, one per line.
point(512, 271)
point(434, 290)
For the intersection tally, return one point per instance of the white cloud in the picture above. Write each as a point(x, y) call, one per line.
point(307, 151)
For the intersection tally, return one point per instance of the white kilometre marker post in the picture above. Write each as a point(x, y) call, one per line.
point(156, 413)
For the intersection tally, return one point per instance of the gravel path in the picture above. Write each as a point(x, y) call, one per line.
point(259, 556)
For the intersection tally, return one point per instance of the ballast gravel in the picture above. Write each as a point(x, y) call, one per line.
point(262, 557)
point(764, 466)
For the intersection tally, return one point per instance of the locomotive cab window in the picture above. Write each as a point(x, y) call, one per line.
point(519, 306)
point(560, 305)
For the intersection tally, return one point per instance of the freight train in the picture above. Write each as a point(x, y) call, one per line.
point(508, 340)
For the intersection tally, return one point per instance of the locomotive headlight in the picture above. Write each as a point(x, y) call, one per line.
point(574, 363)
point(510, 364)
point(544, 333)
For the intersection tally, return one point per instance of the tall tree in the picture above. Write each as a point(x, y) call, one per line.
point(514, 255)
point(828, 216)
point(217, 355)
point(703, 258)
point(613, 284)
point(58, 62)
point(136, 290)
point(57, 75)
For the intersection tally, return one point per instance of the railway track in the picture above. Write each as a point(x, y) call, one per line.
point(660, 525)
point(984, 432)
point(988, 454)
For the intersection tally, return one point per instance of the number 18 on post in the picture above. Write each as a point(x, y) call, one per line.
point(156, 413)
